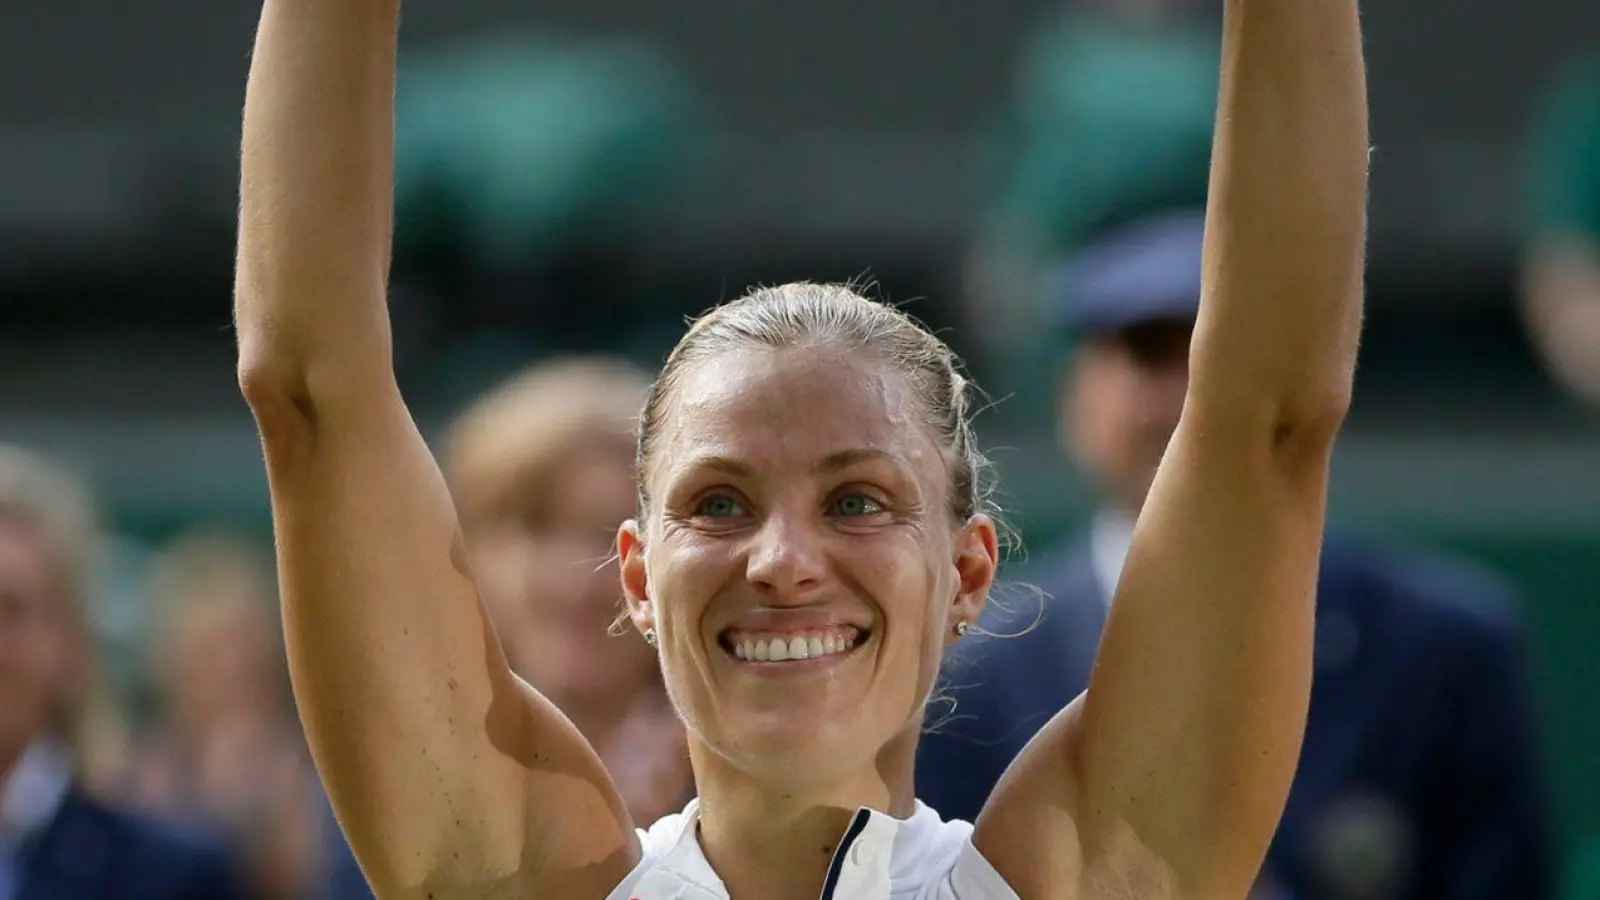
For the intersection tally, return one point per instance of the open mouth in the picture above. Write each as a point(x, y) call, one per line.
point(768, 647)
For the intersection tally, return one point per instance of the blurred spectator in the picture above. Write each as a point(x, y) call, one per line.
point(1561, 274)
point(1418, 779)
point(541, 469)
point(1560, 291)
point(57, 840)
point(1111, 119)
point(226, 750)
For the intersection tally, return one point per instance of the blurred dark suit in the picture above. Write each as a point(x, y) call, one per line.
point(1418, 777)
point(344, 880)
point(89, 851)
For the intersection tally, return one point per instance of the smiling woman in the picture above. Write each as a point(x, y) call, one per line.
point(810, 524)
point(809, 492)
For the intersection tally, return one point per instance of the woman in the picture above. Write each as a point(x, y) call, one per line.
point(541, 469)
point(809, 540)
point(224, 752)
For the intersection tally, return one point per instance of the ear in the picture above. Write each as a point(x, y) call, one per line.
point(977, 561)
point(635, 578)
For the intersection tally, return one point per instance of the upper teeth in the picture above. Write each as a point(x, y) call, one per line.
point(801, 646)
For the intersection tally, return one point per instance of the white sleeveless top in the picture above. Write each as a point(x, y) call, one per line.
point(880, 858)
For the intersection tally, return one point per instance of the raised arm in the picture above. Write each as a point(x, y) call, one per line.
point(450, 777)
point(1169, 776)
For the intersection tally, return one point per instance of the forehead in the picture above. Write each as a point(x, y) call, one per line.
point(593, 489)
point(793, 407)
point(592, 472)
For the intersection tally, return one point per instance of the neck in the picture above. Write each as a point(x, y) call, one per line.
point(775, 840)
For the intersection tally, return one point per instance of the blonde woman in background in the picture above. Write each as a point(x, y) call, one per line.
point(542, 472)
point(226, 751)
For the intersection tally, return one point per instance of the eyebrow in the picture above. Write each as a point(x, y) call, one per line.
point(833, 462)
point(844, 459)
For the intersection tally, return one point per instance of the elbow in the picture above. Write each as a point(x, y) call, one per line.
point(277, 391)
point(261, 378)
point(1306, 424)
point(295, 396)
point(1294, 430)
point(268, 378)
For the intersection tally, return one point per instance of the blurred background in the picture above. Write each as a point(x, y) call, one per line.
point(580, 176)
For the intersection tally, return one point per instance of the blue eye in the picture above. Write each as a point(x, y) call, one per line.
point(852, 505)
point(719, 506)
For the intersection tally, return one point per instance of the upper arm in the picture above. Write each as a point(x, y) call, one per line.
point(448, 774)
point(1169, 775)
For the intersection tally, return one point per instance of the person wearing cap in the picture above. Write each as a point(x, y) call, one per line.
point(1418, 776)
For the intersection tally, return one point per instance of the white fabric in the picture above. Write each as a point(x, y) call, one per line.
point(920, 858)
point(33, 792)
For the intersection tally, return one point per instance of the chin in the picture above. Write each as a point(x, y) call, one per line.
point(817, 718)
point(797, 752)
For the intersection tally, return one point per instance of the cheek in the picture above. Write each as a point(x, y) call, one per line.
point(911, 585)
point(51, 658)
point(683, 574)
point(682, 558)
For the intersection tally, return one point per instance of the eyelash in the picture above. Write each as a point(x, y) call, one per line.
point(700, 505)
point(877, 505)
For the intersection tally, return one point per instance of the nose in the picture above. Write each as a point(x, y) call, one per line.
point(786, 559)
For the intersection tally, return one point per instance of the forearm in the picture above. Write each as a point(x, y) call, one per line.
point(1286, 226)
point(316, 196)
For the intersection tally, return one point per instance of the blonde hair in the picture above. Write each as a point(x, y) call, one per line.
point(57, 505)
point(803, 314)
point(209, 575)
point(502, 448)
point(197, 561)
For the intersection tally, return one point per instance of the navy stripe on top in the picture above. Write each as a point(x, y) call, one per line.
point(857, 825)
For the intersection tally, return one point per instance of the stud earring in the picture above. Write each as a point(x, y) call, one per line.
point(961, 628)
point(650, 638)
